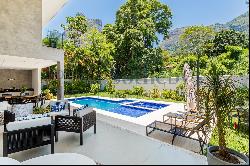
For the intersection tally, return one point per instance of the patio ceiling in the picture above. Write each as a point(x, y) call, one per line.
point(51, 8)
point(23, 63)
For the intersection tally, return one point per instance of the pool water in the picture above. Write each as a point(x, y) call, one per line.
point(149, 105)
point(116, 106)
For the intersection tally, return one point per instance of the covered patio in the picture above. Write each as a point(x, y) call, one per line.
point(19, 71)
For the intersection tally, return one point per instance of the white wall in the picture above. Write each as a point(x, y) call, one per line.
point(163, 83)
point(21, 30)
point(160, 83)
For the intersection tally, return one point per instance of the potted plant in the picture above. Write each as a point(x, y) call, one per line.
point(53, 38)
point(47, 94)
point(218, 99)
point(23, 90)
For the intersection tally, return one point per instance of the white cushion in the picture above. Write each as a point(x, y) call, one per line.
point(17, 125)
point(82, 112)
point(63, 113)
point(4, 106)
point(22, 110)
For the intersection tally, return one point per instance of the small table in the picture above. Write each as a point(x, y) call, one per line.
point(60, 159)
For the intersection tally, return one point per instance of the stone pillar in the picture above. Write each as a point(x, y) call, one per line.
point(60, 78)
point(36, 81)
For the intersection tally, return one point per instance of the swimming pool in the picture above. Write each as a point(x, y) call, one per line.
point(148, 105)
point(120, 107)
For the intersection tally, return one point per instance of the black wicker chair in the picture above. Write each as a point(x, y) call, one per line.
point(75, 124)
point(24, 139)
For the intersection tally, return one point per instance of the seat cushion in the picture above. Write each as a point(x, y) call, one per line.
point(17, 125)
point(22, 110)
point(63, 113)
point(4, 105)
point(84, 111)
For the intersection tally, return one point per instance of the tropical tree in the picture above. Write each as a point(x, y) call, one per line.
point(194, 40)
point(97, 60)
point(219, 100)
point(134, 35)
point(75, 28)
point(88, 54)
point(226, 38)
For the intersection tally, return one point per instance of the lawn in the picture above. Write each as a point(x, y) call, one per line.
point(237, 140)
point(105, 94)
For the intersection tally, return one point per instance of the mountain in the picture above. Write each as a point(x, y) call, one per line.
point(240, 23)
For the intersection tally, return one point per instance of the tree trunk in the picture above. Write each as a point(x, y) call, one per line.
point(221, 134)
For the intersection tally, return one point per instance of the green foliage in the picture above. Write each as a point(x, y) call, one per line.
point(95, 88)
point(172, 94)
point(40, 110)
point(228, 46)
point(134, 35)
point(23, 89)
point(47, 94)
point(137, 90)
point(88, 55)
point(218, 98)
point(195, 38)
point(110, 87)
point(52, 86)
point(155, 93)
point(181, 91)
point(226, 38)
point(235, 140)
point(53, 39)
point(77, 86)
point(75, 27)
point(121, 93)
point(97, 60)
point(242, 93)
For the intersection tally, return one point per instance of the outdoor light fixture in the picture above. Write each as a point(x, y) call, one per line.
point(11, 79)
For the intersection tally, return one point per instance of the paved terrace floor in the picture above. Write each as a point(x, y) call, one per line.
point(113, 145)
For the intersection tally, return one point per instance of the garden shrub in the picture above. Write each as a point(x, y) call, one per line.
point(146, 93)
point(128, 92)
point(155, 93)
point(52, 86)
point(181, 89)
point(40, 110)
point(47, 94)
point(120, 94)
point(110, 87)
point(77, 87)
point(137, 90)
point(95, 88)
point(172, 94)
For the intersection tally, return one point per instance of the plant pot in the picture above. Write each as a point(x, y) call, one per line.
point(213, 160)
point(53, 44)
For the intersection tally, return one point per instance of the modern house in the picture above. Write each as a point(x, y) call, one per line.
point(22, 55)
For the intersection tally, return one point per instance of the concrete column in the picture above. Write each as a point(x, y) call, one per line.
point(60, 78)
point(36, 81)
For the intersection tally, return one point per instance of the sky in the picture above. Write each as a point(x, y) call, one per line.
point(185, 12)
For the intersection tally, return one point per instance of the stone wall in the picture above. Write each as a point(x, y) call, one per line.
point(22, 78)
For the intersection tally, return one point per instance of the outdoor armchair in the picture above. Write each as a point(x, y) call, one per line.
point(82, 121)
